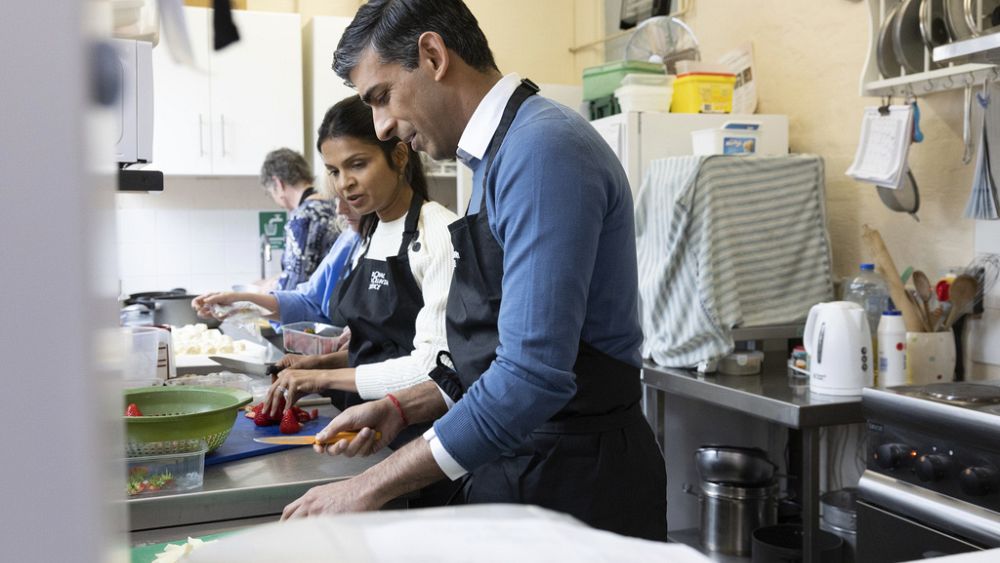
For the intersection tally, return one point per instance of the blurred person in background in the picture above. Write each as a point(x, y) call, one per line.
point(312, 227)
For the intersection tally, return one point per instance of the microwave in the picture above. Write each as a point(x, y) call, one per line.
point(133, 110)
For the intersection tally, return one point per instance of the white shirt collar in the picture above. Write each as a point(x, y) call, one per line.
point(485, 120)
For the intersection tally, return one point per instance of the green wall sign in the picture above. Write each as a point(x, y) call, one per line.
point(272, 225)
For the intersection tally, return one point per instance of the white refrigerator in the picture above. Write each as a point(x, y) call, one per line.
point(638, 137)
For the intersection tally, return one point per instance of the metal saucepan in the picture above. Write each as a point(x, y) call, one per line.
point(885, 55)
point(734, 465)
point(171, 307)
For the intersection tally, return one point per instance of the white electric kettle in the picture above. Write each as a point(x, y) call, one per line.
point(839, 342)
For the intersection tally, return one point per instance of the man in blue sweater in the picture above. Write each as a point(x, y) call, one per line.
point(539, 402)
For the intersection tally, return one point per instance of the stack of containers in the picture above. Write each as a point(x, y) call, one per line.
point(600, 83)
point(645, 92)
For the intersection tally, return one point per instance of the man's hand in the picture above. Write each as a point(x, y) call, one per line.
point(366, 418)
point(333, 498)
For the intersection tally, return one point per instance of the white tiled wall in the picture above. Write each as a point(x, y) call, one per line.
point(984, 334)
point(200, 234)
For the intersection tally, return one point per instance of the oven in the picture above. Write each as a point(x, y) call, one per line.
point(931, 486)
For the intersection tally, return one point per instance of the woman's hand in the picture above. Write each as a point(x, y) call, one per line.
point(296, 361)
point(344, 340)
point(293, 384)
point(204, 302)
point(366, 419)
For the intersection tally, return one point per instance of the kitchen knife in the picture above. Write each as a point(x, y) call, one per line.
point(249, 368)
point(309, 440)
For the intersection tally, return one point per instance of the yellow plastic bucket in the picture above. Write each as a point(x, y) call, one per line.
point(703, 93)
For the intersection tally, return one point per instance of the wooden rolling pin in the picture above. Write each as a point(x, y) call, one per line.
point(887, 269)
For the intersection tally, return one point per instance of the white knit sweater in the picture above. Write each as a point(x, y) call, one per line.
point(432, 268)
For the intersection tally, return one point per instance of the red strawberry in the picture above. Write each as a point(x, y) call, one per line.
point(262, 419)
point(289, 424)
point(132, 410)
point(302, 416)
point(315, 414)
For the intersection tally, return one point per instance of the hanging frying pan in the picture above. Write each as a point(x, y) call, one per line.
point(905, 199)
point(933, 28)
point(885, 56)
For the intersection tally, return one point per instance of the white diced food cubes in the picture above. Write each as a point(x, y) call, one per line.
point(199, 340)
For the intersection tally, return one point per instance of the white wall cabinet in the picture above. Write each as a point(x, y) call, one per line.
point(240, 103)
point(324, 86)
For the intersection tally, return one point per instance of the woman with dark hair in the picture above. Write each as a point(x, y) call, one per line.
point(394, 299)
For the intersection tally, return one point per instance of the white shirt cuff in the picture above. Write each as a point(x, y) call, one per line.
point(447, 399)
point(448, 465)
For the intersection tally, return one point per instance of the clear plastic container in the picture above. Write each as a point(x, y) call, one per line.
point(869, 290)
point(310, 338)
point(169, 473)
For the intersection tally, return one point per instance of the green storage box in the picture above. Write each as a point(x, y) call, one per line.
point(603, 80)
point(603, 107)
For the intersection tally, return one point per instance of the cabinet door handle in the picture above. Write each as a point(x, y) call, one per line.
point(201, 136)
point(222, 121)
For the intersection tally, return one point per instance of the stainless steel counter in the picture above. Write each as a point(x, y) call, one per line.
point(255, 487)
point(773, 396)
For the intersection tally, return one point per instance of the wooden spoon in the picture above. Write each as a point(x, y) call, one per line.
point(923, 287)
point(961, 295)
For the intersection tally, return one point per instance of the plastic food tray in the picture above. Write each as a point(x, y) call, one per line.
point(310, 338)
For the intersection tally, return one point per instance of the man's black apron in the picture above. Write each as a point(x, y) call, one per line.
point(379, 301)
point(596, 459)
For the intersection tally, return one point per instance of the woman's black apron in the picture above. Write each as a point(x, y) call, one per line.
point(597, 458)
point(379, 301)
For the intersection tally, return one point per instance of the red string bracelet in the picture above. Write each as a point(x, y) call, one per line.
point(399, 408)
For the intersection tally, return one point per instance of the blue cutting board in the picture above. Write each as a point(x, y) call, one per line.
point(240, 444)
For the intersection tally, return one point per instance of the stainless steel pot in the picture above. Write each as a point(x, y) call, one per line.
point(171, 307)
point(840, 517)
point(734, 465)
point(730, 514)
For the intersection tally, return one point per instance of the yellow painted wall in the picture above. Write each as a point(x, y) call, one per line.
point(809, 56)
point(530, 37)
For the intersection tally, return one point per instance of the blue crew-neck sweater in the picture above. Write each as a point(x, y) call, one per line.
point(559, 205)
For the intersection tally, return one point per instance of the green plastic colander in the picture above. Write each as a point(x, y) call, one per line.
point(173, 417)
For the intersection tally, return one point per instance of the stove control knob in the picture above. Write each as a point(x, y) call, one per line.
point(932, 467)
point(890, 456)
point(979, 481)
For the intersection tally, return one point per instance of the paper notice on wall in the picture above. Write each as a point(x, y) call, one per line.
point(740, 62)
point(883, 146)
